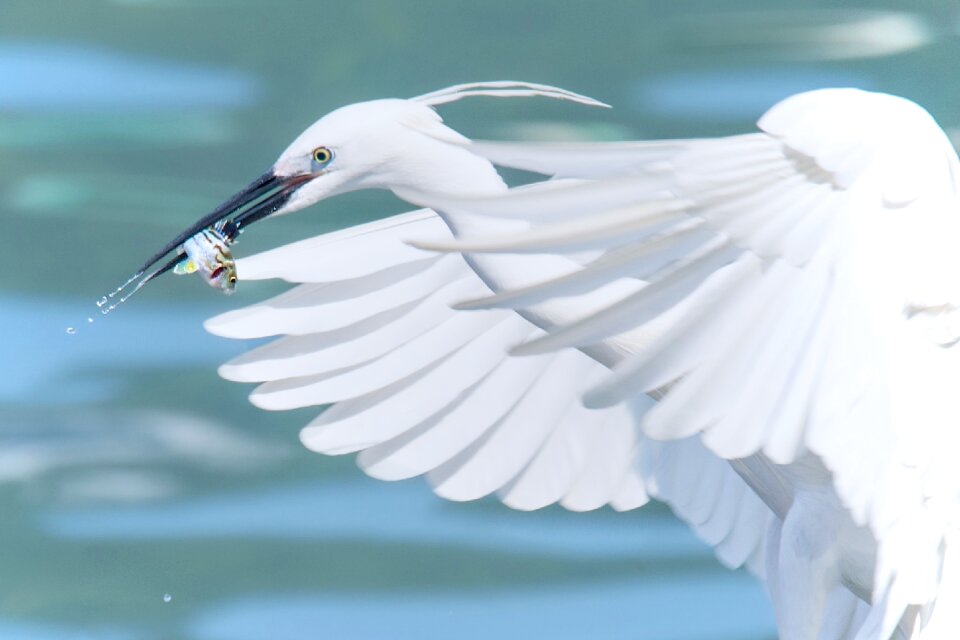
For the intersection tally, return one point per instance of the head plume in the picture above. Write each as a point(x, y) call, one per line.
point(503, 89)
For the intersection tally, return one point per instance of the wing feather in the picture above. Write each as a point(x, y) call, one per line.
point(419, 388)
point(306, 308)
point(617, 226)
point(667, 287)
point(608, 460)
point(301, 355)
point(491, 461)
point(793, 326)
point(641, 261)
point(432, 443)
point(482, 338)
point(332, 256)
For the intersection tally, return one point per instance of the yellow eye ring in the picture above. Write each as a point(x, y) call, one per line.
point(322, 156)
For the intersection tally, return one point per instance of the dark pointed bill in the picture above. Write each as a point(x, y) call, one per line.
point(261, 198)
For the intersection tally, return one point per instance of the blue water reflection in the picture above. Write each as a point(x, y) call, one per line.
point(56, 76)
point(706, 604)
point(30, 631)
point(363, 509)
point(702, 607)
point(150, 335)
point(734, 93)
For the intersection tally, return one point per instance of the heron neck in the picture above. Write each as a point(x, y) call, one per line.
point(448, 170)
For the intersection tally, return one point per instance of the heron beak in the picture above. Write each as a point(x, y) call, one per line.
point(261, 198)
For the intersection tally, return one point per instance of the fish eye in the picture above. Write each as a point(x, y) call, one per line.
point(322, 156)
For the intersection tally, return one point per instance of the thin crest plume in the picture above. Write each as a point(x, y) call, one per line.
point(504, 89)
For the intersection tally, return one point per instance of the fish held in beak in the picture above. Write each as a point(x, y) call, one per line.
point(208, 253)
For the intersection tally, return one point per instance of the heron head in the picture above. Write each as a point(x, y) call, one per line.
point(394, 144)
point(389, 144)
point(382, 144)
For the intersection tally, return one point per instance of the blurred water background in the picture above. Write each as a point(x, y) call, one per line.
point(141, 497)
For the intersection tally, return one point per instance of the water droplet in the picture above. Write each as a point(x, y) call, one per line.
point(71, 330)
point(102, 302)
point(89, 320)
point(167, 597)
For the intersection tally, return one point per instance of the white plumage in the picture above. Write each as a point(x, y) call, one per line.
point(789, 297)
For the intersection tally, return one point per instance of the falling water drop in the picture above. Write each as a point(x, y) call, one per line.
point(89, 320)
point(71, 330)
point(167, 597)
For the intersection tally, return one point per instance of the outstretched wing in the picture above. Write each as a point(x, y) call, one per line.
point(794, 291)
point(420, 388)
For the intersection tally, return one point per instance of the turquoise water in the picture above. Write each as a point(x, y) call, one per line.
point(141, 497)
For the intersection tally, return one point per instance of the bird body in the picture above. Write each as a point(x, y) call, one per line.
point(758, 330)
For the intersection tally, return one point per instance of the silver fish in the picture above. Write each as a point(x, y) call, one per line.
point(208, 253)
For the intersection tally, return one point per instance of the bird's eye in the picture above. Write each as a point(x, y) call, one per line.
point(322, 156)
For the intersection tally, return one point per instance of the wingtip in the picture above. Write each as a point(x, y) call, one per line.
point(455, 494)
point(520, 505)
point(468, 305)
point(312, 438)
point(467, 247)
point(234, 371)
point(263, 398)
point(228, 372)
point(535, 347)
point(549, 343)
point(433, 246)
point(599, 397)
point(242, 324)
point(479, 304)
point(224, 325)
point(215, 326)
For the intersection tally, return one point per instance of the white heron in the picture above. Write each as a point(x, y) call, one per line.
point(759, 330)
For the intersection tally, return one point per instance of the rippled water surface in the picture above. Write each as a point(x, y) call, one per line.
point(141, 497)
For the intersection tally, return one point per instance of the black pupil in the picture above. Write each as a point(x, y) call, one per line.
point(321, 155)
